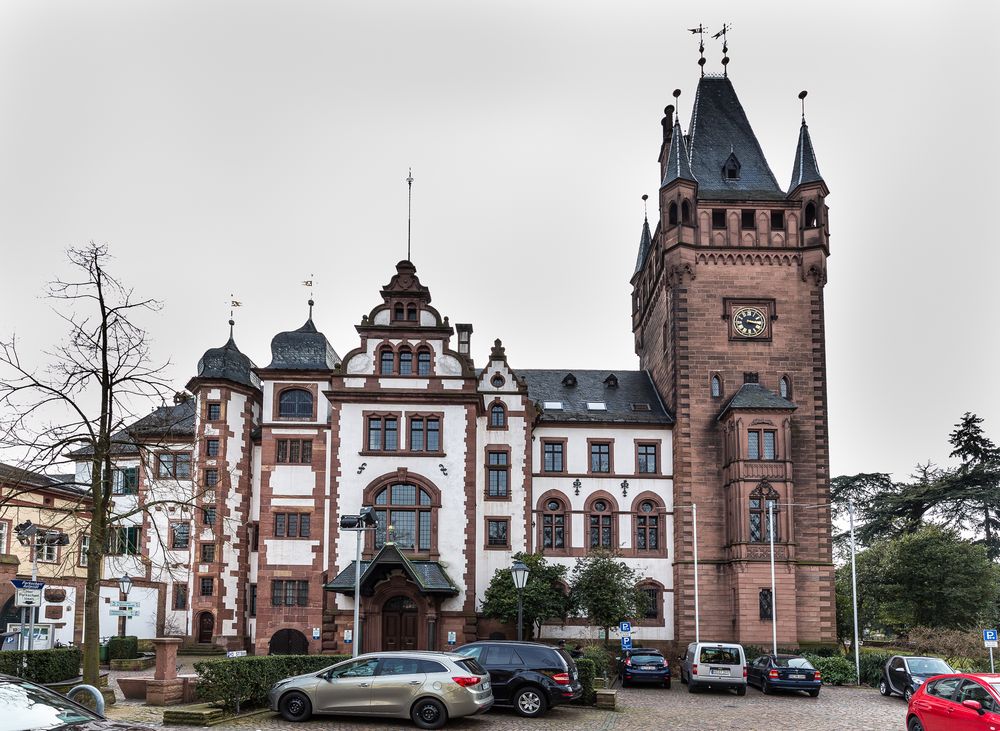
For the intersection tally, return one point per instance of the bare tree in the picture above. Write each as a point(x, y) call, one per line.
point(82, 400)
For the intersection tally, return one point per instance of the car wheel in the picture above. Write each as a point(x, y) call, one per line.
point(907, 694)
point(692, 688)
point(883, 688)
point(741, 690)
point(666, 683)
point(429, 713)
point(529, 702)
point(624, 682)
point(684, 680)
point(914, 724)
point(295, 706)
point(814, 693)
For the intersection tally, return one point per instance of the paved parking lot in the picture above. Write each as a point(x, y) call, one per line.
point(836, 709)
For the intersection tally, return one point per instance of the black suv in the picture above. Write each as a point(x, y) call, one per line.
point(529, 676)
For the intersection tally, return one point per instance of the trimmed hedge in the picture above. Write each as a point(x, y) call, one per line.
point(835, 670)
point(587, 670)
point(872, 664)
point(123, 648)
point(43, 666)
point(245, 681)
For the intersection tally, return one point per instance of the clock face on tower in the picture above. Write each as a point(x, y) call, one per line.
point(749, 322)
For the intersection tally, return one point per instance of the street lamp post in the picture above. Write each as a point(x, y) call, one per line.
point(519, 572)
point(854, 595)
point(365, 520)
point(124, 586)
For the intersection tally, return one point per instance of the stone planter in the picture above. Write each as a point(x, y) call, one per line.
point(606, 699)
point(139, 663)
point(600, 683)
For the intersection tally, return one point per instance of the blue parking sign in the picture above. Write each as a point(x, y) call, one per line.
point(626, 643)
point(625, 627)
point(989, 635)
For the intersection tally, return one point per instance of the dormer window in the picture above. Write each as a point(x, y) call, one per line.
point(569, 380)
point(411, 313)
point(611, 381)
point(397, 312)
point(731, 170)
point(552, 405)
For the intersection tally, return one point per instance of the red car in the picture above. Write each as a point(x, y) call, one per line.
point(956, 702)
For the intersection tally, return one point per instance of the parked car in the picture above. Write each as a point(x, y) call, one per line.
point(715, 665)
point(26, 705)
point(955, 702)
point(426, 687)
point(902, 675)
point(784, 672)
point(529, 676)
point(644, 665)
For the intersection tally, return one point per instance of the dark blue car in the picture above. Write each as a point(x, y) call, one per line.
point(644, 665)
point(784, 672)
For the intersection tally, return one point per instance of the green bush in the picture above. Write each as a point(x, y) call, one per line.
point(586, 668)
point(604, 662)
point(246, 680)
point(835, 670)
point(43, 666)
point(872, 664)
point(123, 648)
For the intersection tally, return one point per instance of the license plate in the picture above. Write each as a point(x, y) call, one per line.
point(648, 667)
point(720, 671)
point(796, 677)
point(486, 685)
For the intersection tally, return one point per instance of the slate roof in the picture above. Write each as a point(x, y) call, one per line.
point(634, 387)
point(174, 422)
point(305, 349)
point(678, 160)
point(805, 169)
point(229, 364)
point(719, 127)
point(429, 576)
point(755, 397)
point(18, 477)
point(645, 244)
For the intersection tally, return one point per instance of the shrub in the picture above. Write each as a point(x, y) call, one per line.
point(604, 661)
point(43, 666)
point(246, 680)
point(586, 668)
point(835, 670)
point(123, 648)
point(872, 664)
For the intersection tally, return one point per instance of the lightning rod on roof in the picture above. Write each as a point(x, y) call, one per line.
point(700, 30)
point(409, 209)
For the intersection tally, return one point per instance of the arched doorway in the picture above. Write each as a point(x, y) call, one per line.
point(399, 624)
point(288, 642)
point(206, 626)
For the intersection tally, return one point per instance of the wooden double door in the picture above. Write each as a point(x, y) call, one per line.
point(399, 624)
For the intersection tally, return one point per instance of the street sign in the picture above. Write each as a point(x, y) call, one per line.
point(990, 638)
point(127, 613)
point(124, 605)
point(236, 653)
point(26, 584)
point(28, 597)
point(626, 643)
point(625, 627)
point(452, 638)
point(316, 633)
point(348, 636)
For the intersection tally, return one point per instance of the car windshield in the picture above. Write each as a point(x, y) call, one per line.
point(996, 687)
point(647, 658)
point(927, 666)
point(27, 706)
point(794, 662)
point(721, 655)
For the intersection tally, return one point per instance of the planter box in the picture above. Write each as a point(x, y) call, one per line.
point(139, 663)
point(606, 699)
point(600, 683)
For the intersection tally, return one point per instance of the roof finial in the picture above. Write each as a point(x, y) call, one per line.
point(700, 30)
point(802, 97)
point(677, 105)
point(233, 304)
point(725, 47)
point(309, 283)
point(645, 212)
point(409, 210)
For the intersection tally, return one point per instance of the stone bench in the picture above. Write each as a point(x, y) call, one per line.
point(606, 699)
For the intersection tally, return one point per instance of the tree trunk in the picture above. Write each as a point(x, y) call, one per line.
point(92, 599)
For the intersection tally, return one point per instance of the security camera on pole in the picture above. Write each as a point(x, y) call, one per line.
point(365, 520)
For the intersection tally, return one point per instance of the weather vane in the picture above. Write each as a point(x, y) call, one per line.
point(409, 210)
point(645, 211)
point(309, 283)
point(802, 97)
point(677, 104)
point(233, 304)
point(700, 30)
point(726, 27)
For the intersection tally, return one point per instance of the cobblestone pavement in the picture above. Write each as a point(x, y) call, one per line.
point(836, 709)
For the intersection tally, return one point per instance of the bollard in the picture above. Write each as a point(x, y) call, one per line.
point(98, 698)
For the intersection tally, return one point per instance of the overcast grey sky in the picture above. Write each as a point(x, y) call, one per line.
point(246, 146)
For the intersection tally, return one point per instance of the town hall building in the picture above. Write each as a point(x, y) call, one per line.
point(466, 465)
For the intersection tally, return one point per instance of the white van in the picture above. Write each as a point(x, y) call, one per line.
point(715, 665)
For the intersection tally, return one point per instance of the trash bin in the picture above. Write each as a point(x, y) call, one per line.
point(104, 652)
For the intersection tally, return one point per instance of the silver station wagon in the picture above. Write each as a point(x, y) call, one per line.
point(426, 687)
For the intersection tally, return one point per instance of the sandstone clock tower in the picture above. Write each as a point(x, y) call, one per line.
point(728, 317)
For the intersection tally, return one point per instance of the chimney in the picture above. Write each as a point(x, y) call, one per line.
point(464, 338)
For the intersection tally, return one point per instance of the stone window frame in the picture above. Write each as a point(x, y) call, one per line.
point(206, 415)
point(282, 388)
point(405, 476)
point(202, 545)
point(763, 494)
point(610, 443)
point(497, 449)
point(114, 537)
point(286, 524)
point(366, 420)
point(424, 416)
point(424, 349)
point(657, 445)
point(6, 527)
point(405, 348)
point(716, 379)
point(170, 533)
point(497, 404)
point(646, 584)
point(765, 611)
point(612, 512)
point(171, 473)
point(564, 442)
point(300, 590)
point(380, 360)
point(760, 434)
point(207, 481)
point(302, 442)
point(542, 510)
point(202, 585)
point(205, 513)
point(175, 587)
point(487, 546)
point(209, 441)
point(660, 511)
point(785, 385)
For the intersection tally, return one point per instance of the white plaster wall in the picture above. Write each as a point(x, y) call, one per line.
point(232, 549)
point(143, 626)
point(294, 552)
point(322, 409)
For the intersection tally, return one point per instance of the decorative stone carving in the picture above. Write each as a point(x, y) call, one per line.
point(449, 365)
point(361, 363)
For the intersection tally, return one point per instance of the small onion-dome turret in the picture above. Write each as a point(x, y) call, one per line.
point(228, 364)
point(305, 349)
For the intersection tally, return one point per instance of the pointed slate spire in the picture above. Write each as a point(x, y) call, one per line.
point(645, 244)
point(805, 170)
point(678, 160)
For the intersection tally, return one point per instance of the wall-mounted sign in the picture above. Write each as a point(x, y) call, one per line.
point(315, 633)
point(452, 638)
point(348, 636)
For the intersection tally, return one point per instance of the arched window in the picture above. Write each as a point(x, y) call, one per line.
point(785, 387)
point(423, 362)
point(397, 312)
point(763, 496)
point(600, 521)
point(405, 362)
point(411, 313)
point(810, 219)
point(731, 170)
point(554, 525)
point(685, 212)
point(406, 509)
point(672, 213)
point(295, 403)
point(386, 361)
point(653, 592)
point(498, 417)
point(647, 527)
point(716, 387)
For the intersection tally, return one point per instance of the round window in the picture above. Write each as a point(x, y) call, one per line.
point(497, 381)
point(646, 507)
point(553, 505)
point(600, 506)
